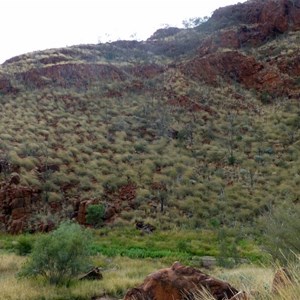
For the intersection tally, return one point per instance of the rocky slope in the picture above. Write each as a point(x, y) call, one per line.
point(253, 45)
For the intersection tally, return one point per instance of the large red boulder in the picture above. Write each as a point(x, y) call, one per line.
point(179, 282)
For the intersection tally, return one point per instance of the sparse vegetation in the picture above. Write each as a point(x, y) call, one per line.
point(134, 128)
point(59, 256)
point(281, 227)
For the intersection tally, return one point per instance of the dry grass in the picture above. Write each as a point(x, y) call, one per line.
point(121, 273)
point(257, 281)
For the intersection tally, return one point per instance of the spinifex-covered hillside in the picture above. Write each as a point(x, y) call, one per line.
point(193, 127)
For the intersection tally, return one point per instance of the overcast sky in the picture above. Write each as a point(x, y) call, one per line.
point(29, 25)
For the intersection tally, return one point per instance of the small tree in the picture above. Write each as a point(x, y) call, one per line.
point(95, 214)
point(60, 255)
point(194, 22)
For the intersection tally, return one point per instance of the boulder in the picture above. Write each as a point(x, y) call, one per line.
point(208, 262)
point(144, 227)
point(93, 274)
point(179, 282)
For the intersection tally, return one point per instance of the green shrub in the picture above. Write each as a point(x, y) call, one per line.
point(229, 255)
point(23, 246)
point(95, 214)
point(60, 255)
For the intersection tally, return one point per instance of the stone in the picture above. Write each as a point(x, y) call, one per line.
point(82, 210)
point(93, 274)
point(208, 262)
point(144, 227)
point(179, 282)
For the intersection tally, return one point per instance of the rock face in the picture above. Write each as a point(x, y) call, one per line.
point(6, 86)
point(249, 24)
point(23, 209)
point(234, 66)
point(16, 204)
point(179, 282)
point(275, 15)
point(123, 197)
point(69, 75)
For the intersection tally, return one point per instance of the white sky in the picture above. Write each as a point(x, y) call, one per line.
point(29, 25)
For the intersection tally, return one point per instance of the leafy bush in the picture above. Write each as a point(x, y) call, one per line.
point(60, 255)
point(24, 246)
point(95, 214)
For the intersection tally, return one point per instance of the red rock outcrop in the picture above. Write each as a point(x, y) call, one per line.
point(70, 74)
point(82, 210)
point(127, 192)
point(251, 23)
point(16, 204)
point(237, 67)
point(6, 86)
point(145, 71)
point(124, 197)
point(278, 15)
point(23, 208)
point(178, 282)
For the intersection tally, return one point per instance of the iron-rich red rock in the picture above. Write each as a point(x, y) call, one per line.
point(178, 282)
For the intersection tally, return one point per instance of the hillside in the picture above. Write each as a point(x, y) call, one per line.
point(194, 127)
